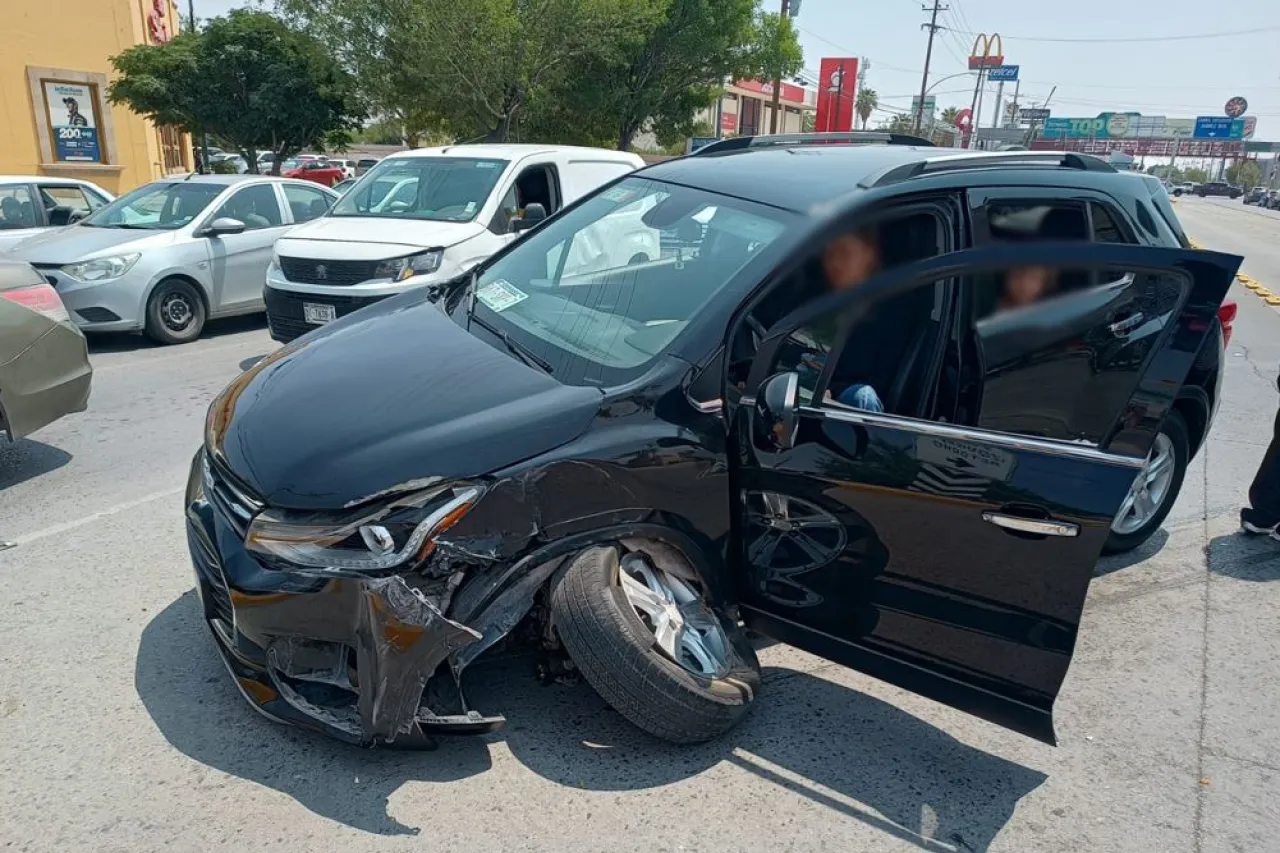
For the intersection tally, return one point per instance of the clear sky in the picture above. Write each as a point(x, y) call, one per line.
point(1102, 68)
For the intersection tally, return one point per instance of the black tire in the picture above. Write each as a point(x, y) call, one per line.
point(1175, 427)
point(615, 651)
point(172, 302)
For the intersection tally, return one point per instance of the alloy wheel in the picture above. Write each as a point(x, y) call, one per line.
point(670, 606)
point(1150, 488)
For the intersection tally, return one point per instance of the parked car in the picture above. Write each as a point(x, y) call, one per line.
point(44, 362)
point(319, 171)
point(236, 161)
point(1184, 188)
point(348, 167)
point(423, 216)
point(32, 204)
point(1256, 195)
point(1272, 200)
point(1218, 188)
point(173, 253)
point(341, 187)
point(634, 462)
point(364, 164)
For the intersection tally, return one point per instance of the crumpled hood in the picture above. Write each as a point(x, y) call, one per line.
point(83, 242)
point(389, 395)
point(355, 238)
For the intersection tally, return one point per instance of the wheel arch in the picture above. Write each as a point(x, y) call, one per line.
point(1194, 405)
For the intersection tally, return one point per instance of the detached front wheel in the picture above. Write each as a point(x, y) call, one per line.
point(645, 639)
point(1155, 488)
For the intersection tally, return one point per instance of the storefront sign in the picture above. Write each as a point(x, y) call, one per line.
point(837, 83)
point(788, 92)
point(729, 122)
point(73, 121)
point(988, 52)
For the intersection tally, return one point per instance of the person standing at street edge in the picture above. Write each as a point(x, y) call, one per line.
point(1262, 516)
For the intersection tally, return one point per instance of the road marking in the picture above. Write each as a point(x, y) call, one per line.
point(65, 526)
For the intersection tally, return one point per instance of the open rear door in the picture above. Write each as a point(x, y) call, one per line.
point(953, 558)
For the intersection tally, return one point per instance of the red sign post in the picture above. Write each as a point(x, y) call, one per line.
point(837, 89)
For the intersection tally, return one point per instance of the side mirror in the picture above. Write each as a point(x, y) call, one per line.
point(777, 410)
point(534, 214)
point(223, 225)
point(60, 215)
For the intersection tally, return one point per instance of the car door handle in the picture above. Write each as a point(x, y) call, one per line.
point(1031, 525)
point(1127, 324)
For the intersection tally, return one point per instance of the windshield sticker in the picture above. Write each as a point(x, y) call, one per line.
point(500, 294)
point(471, 207)
point(487, 164)
point(619, 194)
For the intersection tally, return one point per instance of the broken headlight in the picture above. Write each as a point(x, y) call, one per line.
point(401, 531)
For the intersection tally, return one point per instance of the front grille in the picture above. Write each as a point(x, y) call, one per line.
point(333, 273)
point(285, 316)
point(217, 600)
point(231, 500)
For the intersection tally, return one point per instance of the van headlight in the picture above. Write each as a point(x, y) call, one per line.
point(401, 532)
point(399, 269)
point(102, 269)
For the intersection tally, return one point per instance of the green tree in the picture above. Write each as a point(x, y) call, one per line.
point(248, 79)
point(866, 104)
point(898, 124)
point(950, 114)
point(659, 77)
point(1245, 173)
point(1195, 175)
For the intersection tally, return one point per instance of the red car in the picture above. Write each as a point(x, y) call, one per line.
point(316, 170)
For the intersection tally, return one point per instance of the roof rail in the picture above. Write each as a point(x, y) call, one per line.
point(741, 143)
point(980, 159)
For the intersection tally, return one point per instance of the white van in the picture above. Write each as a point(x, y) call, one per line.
point(427, 216)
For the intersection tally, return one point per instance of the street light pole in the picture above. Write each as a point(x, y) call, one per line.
point(933, 28)
point(777, 81)
point(204, 137)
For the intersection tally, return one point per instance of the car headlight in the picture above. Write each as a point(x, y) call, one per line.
point(102, 269)
point(399, 269)
point(401, 531)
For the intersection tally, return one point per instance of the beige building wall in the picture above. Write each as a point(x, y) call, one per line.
point(72, 41)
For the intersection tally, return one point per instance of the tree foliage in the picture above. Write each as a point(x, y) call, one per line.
point(248, 79)
point(583, 71)
point(866, 103)
point(1245, 173)
point(949, 115)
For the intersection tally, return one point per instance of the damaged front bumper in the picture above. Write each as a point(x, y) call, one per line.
point(350, 658)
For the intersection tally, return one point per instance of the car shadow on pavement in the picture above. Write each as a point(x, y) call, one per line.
point(1245, 557)
point(839, 748)
point(25, 459)
point(189, 695)
point(1145, 551)
point(101, 342)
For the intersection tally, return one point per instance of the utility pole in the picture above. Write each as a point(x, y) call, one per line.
point(777, 81)
point(973, 109)
point(833, 120)
point(933, 28)
point(204, 137)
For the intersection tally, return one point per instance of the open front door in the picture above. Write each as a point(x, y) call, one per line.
point(953, 558)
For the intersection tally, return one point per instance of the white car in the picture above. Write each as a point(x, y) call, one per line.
point(31, 204)
point(348, 167)
point(427, 216)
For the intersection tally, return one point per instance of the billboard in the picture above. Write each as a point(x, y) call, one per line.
point(1145, 147)
point(1125, 125)
point(73, 121)
point(988, 52)
point(837, 86)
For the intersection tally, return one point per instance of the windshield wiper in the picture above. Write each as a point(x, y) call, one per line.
point(513, 346)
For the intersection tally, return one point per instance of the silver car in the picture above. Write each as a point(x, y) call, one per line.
point(173, 253)
point(30, 204)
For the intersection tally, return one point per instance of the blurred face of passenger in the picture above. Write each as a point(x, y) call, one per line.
point(1026, 285)
point(849, 260)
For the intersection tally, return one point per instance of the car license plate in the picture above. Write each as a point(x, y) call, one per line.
point(318, 314)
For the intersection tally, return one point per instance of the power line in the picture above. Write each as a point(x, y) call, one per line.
point(1137, 39)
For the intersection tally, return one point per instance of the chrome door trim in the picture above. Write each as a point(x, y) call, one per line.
point(1031, 525)
point(960, 433)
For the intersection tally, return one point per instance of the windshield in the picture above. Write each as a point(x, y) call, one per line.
point(601, 291)
point(157, 207)
point(448, 189)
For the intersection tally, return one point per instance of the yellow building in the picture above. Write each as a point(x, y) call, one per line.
point(54, 71)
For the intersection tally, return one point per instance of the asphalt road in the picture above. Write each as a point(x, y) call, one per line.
point(119, 730)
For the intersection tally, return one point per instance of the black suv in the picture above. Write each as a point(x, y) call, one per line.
point(1218, 188)
point(631, 466)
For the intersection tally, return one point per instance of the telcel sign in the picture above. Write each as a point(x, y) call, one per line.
point(983, 55)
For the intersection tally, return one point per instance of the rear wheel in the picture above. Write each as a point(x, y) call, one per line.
point(645, 639)
point(175, 312)
point(1155, 488)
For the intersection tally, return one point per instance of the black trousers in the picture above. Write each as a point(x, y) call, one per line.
point(1264, 494)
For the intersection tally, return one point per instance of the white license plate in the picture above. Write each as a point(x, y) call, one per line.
point(318, 314)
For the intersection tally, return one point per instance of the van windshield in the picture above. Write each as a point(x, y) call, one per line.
point(603, 289)
point(447, 189)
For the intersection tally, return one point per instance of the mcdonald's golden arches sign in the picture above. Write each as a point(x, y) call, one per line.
point(988, 51)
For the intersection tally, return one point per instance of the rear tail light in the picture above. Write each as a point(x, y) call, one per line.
point(41, 298)
point(1227, 316)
